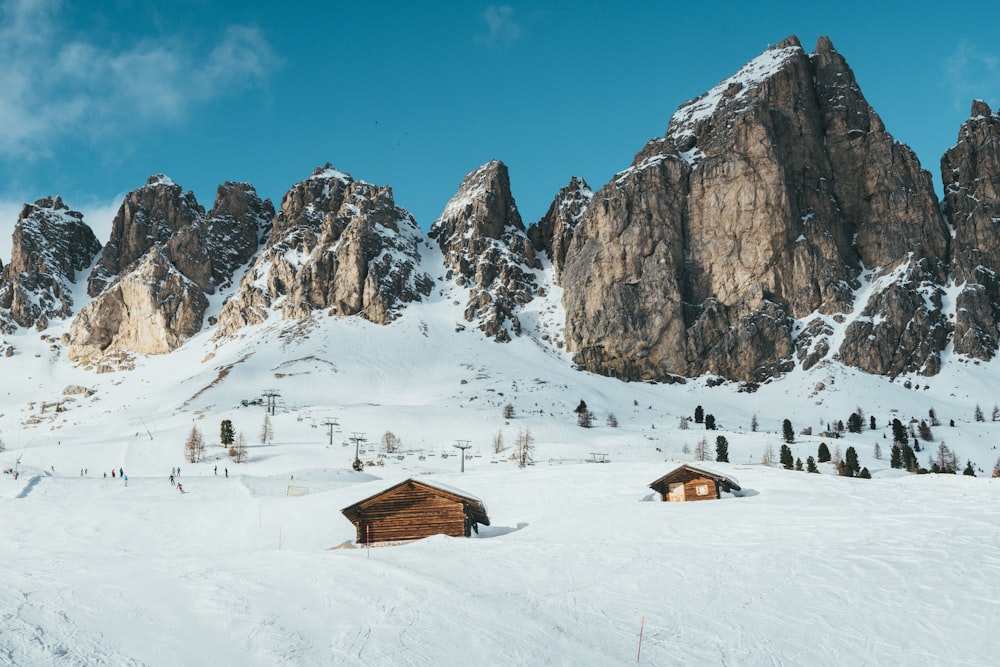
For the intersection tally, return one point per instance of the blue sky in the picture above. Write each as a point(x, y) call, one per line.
point(415, 95)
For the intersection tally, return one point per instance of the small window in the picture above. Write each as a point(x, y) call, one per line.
point(701, 490)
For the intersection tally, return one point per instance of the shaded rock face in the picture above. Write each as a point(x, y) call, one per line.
point(554, 231)
point(970, 171)
point(152, 309)
point(51, 243)
point(487, 250)
point(338, 245)
point(764, 202)
point(165, 255)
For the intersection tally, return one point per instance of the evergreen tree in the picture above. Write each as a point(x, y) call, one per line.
point(798, 464)
point(898, 432)
point(508, 411)
point(786, 457)
point(896, 457)
point(226, 433)
point(787, 431)
point(871, 423)
point(612, 420)
point(854, 423)
point(969, 470)
point(996, 412)
point(864, 474)
point(709, 422)
point(811, 465)
point(878, 451)
point(722, 449)
point(910, 459)
point(823, 454)
point(699, 415)
point(582, 407)
point(753, 423)
point(979, 413)
point(933, 417)
point(851, 462)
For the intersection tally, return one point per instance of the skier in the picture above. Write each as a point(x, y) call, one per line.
point(215, 470)
point(112, 473)
point(180, 487)
point(121, 471)
point(227, 473)
point(172, 479)
point(126, 480)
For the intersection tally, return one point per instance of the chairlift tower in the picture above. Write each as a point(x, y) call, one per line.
point(463, 445)
point(357, 439)
point(271, 395)
point(329, 424)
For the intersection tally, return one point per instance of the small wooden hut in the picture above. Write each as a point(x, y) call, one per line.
point(415, 509)
point(687, 482)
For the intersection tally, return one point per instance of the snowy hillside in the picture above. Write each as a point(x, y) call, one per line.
point(798, 569)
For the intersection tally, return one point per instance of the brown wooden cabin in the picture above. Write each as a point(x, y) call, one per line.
point(690, 483)
point(415, 509)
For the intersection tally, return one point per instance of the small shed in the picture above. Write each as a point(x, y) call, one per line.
point(415, 509)
point(687, 482)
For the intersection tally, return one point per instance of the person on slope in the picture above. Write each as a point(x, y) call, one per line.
point(180, 487)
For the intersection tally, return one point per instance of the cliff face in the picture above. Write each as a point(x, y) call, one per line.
point(338, 245)
point(487, 250)
point(553, 233)
point(51, 243)
point(764, 202)
point(970, 171)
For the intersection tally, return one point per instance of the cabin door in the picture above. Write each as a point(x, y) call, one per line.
point(675, 492)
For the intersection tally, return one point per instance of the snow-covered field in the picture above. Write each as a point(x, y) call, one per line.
point(798, 569)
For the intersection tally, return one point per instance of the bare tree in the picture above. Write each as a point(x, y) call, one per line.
point(238, 450)
point(194, 447)
point(684, 423)
point(767, 458)
point(686, 449)
point(498, 442)
point(701, 450)
point(612, 420)
point(266, 432)
point(391, 442)
point(524, 448)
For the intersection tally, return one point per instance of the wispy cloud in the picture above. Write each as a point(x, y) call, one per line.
point(502, 28)
point(972, 73)
point(58, 84)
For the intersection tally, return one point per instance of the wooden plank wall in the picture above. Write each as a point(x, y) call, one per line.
point(410, 513)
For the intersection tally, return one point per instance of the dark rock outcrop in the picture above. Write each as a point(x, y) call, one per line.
point(553, 233)
point(338, 245)
point(51, 243)
point(487, 251)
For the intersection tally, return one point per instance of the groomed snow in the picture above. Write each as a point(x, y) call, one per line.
point(794, 569)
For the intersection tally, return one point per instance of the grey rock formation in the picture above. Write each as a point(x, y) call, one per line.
point(338, 245)
point(51, 243)
point(970, 171)
point(553, 233)
point(764, 201)
point(487, 251)
point(152, 309)
point(148, 216)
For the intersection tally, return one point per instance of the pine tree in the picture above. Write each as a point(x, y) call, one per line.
point(508, 411)
point(933, 417)
point(996, 412)
point(979, 413)
point(925, 431)
point(896, 457)
point(612, 420)
point(585, 419)
point(823, 453)
point(898, 432)
point(582, 407)
point(871, 423)
point(851, 462)
point(699, 415)
point(969, 470)
point(798, 464)
point(721, 449)
point(787, 461)
point(811, 465)
point(709, 422)
point(787, 431)
point(753, 423)
point(910, 459)
point(854, 423)
point(864, 474)
point(226, 432)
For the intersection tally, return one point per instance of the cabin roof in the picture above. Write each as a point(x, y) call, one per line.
point(476, 506)
point(727, 482)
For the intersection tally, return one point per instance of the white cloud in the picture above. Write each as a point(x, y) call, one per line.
point(502, 27)
point(972, 73)
point(58, 84)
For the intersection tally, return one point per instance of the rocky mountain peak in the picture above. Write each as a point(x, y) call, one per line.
point(51, 243)
point(148, 216)
point(338, 245)
point(485, 248)
point(553, 233)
